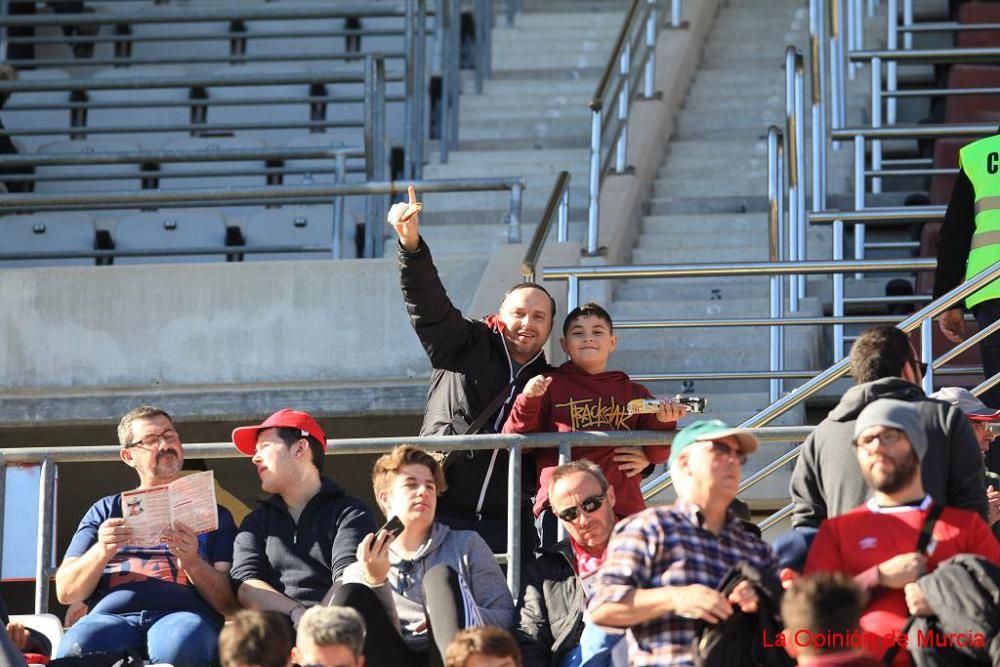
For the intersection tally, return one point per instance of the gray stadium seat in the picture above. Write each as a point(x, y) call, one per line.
point(47, 232)
point(15, 121)
point(152, 112)
point(259, 44)
point(254, 112)
point(171, 229)
point(354, 211)
point(119, 176)
point(292, 225)
point(216, 47)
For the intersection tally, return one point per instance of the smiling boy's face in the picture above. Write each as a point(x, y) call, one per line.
point(589, 342)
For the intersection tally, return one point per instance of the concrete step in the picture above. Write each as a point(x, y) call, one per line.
point(609, 21)
point(558, 60)
point(578, 113)
point(562, 132)
point(512, 87)
point(574, 159)
point(514, 103)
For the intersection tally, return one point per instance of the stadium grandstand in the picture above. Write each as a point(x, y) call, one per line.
point(193, 202)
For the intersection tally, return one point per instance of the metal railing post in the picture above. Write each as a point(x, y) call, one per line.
point(907, 23)
point(892, 67)
point(852, 36)
point(514, 520)
point(46, 492)
point(836, 67)
point(675, 13)
point(838, 291)
point(593, 210)
point(859, 197)
point(572, 293)
point(621, 150)
point(420, 65)
point(562, 231)
point(445, 38)
point(412, 89)
point(927, 352)
point(800, 169)
point(338, 209)
point(793, 148)
point(516, 204)
point(649, 75)
point(818, 80)
point(876, 94)
point(774, 198)
point(4, 42)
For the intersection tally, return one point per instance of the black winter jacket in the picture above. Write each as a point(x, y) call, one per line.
point(301, 560)
point(827, 481)
point(550, 607)
point(471, 367)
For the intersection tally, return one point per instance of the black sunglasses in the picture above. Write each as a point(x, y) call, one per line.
point(589, 505)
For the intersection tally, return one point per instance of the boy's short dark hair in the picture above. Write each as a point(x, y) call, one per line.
point(880, 352)
point(587, 310)
point(824, 603)
point(486, 640)
point(261, 638)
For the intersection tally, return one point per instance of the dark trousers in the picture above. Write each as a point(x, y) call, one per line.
point(986, 314)
point(384, 644)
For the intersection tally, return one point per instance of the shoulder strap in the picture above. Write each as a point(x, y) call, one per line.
point(477, 425)
point(922, 543)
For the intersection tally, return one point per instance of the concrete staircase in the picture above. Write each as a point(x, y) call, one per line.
point(532, 120)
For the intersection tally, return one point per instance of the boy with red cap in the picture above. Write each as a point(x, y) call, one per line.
point(296, 544)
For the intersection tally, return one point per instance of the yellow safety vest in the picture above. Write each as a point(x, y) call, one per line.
point(980, 161)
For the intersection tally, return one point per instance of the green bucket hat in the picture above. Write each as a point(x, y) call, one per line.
point(711, 429)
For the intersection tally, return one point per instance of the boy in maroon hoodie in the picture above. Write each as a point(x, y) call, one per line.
point(583, 395)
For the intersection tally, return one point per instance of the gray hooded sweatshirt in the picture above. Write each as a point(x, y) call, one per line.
point(827, 480)
point(466, 553)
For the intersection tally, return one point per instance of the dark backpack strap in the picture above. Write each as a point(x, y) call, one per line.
point(923, 541)
point(477, 425)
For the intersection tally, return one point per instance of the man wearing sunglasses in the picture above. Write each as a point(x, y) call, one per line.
point(553, 628)
point(826, 481)
point(664, 565)
point(168, 600)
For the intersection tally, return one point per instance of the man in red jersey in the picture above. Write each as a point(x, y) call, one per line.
point(879, 543)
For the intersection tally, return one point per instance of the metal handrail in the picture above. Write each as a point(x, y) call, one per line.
point(919, 319)
point(929, 56)
point(558, 204)
point(207, 102)
point(879, 215)
point(50, 457)
point(166, 156)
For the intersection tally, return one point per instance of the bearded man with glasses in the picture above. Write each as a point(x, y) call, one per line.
point(664, 564)
point(553, 627)
point(167, 601)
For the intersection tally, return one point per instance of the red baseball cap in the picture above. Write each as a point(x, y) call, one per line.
point(245, 437)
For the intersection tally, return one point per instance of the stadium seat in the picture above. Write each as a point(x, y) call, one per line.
point(72, 178)
point(47, 232)
point(978, 12)
point(258, 42)
point(171, 230)
point(945, 157)
point(16, 120)
point(292, 225)
point(255, 112)
point(354, 207)
point(217, 45)
point(972, 108)
point(152, 111)
point(47, 624)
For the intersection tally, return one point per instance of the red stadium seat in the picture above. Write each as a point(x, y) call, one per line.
point(978, 12)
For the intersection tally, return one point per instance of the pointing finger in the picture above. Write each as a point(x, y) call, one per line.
point(413, 194)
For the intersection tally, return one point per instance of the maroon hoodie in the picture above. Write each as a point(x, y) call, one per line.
point(580, 401)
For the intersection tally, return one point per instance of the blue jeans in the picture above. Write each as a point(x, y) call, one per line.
point(594, 649)
point(181, 638)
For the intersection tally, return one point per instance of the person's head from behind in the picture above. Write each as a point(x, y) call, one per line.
point(584, 502)
point(889, 441)
point(288, 449)
point(527, 311)
point(823, 604)
point(255, 639)
point(706, 460)
point(980, 415)
point(883, 352)
point(330, 637)
point(487, 646)
point(407, 482)
point(589, 337)
point(150, 444)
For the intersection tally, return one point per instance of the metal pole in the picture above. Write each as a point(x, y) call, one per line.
point(876, 93)
point(892, 43)
point(410, 117)
point(675, 14)
point(572, 293)
point(774, 254)
point(836, 68)
point(456, 64)
point(480, 29)
point(818, 109)
point(927, 352)
point(907, 23)
point(514, 231)
point(562, 231)
point(3, 502)
point(514, 520)
point(46, 490)
point(792, 135)
point(595, 182)
point(859, 198)
point(800, 168)
point(338, 209)
point(838, 290)
point(852, 37)
point(445, 30)
point(624, 65)
point(420, 65)
point(649, 79)
point(4, 44)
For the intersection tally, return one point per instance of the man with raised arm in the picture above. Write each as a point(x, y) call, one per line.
point(168, 600)
point(480, 366)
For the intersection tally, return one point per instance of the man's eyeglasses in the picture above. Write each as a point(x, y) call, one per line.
point(589, 505)
point(169, 437)
point(722, 449)
point(887, 437)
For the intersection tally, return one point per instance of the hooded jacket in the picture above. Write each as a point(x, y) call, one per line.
point(463, 551)
point(580, 401)
point(471, 367)
point(827, 480)
point(550, 607)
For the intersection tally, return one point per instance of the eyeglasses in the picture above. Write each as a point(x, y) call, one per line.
point(589, 505)
point(887, 437)
point(404, 569)
point(722, 449)
point(169, 437)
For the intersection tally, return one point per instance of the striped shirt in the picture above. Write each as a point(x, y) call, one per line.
point(668, 546)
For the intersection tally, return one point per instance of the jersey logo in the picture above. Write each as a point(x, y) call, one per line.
point(868, 543)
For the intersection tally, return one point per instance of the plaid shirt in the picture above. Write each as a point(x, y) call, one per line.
point(667, 546)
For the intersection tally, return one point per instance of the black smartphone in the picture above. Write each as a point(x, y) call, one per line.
point(393, 526)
